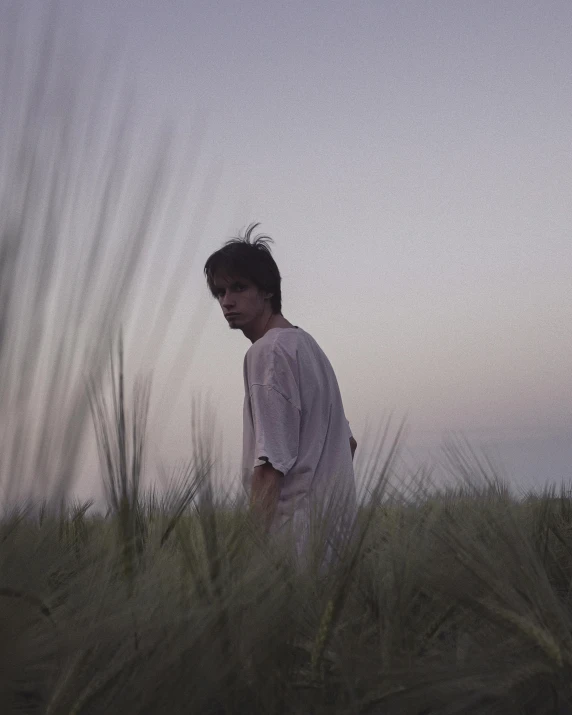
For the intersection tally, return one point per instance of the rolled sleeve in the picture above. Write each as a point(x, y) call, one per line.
point(276, 428)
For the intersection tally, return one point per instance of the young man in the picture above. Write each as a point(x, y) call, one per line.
point(298, 448)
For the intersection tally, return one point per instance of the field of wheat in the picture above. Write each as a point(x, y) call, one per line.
point(458, 603)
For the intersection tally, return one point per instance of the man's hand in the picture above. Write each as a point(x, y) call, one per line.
point(353, 445)
point(265, 492)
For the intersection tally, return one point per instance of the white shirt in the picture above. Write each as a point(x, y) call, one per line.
point(293, 417)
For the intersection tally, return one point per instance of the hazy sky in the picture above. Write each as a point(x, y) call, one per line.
point(413, 162)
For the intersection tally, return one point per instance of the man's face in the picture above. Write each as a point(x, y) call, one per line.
point(240, 300)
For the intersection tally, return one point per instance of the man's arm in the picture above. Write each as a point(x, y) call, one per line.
point(353, 445)
point(264, 493)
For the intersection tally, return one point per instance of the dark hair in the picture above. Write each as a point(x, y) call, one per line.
point(241, 258)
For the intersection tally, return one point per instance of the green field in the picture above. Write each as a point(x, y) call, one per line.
point(459, 603)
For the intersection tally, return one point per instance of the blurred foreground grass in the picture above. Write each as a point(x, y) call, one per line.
point(459, 604)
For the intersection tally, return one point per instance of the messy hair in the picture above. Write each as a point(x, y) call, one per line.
point(242, 257)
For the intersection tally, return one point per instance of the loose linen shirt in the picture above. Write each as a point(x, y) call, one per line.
point(293, 417)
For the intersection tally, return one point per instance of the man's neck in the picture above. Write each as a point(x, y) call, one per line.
point(267, 322)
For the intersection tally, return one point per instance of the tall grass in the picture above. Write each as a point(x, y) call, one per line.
point(87, 197)
point(456, 604)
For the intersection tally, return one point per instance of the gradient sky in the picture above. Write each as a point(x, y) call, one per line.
point(413, 163)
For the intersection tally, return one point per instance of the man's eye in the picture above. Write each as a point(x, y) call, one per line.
point(236, 287)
